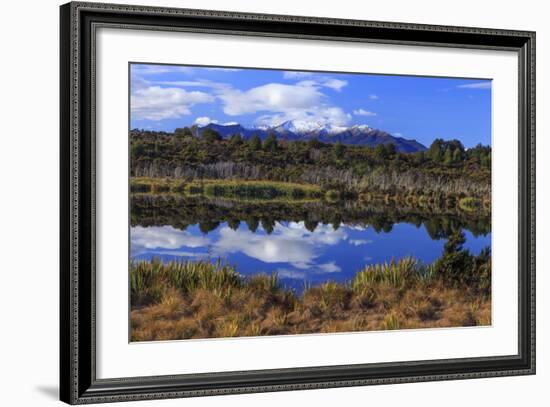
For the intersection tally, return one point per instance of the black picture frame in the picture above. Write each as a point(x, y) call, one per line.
point(78, 382)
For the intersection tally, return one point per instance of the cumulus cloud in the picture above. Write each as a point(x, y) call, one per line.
point(156, 103)
point(291, 243)
point(476, 85)
point(303, 101)
point(363, 112)
point(299, 102)
point(315, 79)
point(204, 120)
point(336, 84)
point(329, 267)
point(164, 237)
point(372, 96)
point(271, 97)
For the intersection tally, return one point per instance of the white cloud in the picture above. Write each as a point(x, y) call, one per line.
point(476, 85)
point(372, 96)
point(315, 79)
point(359, 242)
point(271, 97)
point(336, 84)
point(329, 267)
point(164, 237)
point(302, 101)
point(357, 227)
point(291, 273)
point(291, 243)
point(178, 253)
point(203, 121)
point(363, 112)
point(156, 103)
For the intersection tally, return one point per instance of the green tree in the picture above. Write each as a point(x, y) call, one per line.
point(255, 143)
point(457, 156)
point(268, 225)
point(419, 157)
point(448, 157)
point(454, 144)
point(233, 223)
point(311, 225)
point(183, 132)
point(380, 152)
point(137, 149)
point(252, 223)
point(208, 226)
point(390, 149)
point(455, 264)
point(338, 150)
point(235, 140)
point(434, 152)
point(270, 143)
point(486, 160)
point(313, 143)
point(210, 135)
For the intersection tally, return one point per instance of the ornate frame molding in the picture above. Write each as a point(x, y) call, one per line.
point(77, 251)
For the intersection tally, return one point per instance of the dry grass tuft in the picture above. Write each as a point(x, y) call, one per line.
point(203, 300)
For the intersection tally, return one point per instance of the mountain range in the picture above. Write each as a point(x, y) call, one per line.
point(360, 135)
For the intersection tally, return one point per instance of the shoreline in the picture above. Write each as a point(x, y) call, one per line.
point(186, 299)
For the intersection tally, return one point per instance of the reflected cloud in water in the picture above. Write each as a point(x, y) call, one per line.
point(294, 250)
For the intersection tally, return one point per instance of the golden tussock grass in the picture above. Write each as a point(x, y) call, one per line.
point(183, 300)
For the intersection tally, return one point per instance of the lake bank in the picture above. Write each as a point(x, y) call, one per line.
point(203, 299)
point(276, 191)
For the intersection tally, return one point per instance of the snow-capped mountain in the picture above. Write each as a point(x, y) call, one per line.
point(362, 135)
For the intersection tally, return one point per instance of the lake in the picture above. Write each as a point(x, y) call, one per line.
point(305, 244)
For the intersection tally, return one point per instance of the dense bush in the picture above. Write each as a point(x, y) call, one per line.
point(446, 167)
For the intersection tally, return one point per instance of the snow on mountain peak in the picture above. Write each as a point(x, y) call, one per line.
point(305, 126)
point(362, 127)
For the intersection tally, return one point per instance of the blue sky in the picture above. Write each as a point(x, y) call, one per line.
point(164, 97)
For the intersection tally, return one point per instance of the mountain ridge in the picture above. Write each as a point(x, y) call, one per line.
point(360, 135)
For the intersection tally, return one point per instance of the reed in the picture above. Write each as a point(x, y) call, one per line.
point(149, 280)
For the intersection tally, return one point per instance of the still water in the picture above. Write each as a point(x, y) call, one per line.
point(301, 252)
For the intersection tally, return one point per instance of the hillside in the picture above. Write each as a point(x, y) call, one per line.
point(359, 135)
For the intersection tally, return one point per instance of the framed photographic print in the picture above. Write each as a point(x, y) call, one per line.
point(255, 203)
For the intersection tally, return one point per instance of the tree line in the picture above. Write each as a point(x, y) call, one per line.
point(446, 167)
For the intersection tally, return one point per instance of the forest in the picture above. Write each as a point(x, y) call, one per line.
point(445, 170)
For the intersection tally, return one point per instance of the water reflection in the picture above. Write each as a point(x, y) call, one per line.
point(208, 214)
point(304, 244)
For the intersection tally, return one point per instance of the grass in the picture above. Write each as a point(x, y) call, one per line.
point(263, 191)
point(181, 300)
point(471, 204)
point(463, 204)
point(244, 190)
point(149, 281)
